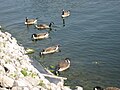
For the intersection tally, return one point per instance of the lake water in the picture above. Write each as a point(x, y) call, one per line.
point(90, 37)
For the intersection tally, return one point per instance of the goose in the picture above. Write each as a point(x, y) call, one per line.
point(112, 88)
point(62, 66)
point(108, 88)
point(65, 13)
point(30, 21)
point(40, 36)
point(44, 26)
point(49, 50)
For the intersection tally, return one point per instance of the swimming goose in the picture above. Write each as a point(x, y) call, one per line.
point(40, 36)
point(44, 26)
point(108, 88)
point(112, 88)
point(49, 50)
point(62, 65)
point(30, 21)
point(65, 13)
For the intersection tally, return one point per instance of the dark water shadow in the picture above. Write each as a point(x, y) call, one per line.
point(63, 22)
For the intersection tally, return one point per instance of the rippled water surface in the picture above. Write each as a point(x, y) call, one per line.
point(90, 37)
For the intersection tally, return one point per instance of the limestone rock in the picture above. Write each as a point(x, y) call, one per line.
point(6, 81)
point(23, 83)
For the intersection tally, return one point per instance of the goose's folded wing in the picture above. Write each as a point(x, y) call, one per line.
point(50, 49)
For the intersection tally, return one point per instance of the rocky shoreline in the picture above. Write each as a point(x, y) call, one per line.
point(17, 71)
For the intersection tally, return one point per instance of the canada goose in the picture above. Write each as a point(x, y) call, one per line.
point(108, 88)
point(65, 13)
point(44, 26)
point(112, 88)
point(30, 21)
point(49, 50)
point(62, 65)
point(40, 36)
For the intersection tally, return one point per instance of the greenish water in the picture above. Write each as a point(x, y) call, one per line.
point(90, 37)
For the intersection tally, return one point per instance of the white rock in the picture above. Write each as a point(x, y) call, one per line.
point(1, 43)
point(6, 81)
point(8, 34)
point(17, 64)
point(17, 88)
point(32, 81)
point(36, 88)
point(3, 89)
point(66, 88)
point(54, 87)
point(2, 61)
point(26, 88)
point(23, 83)
point(2, 70)
point(10, 67)
point(20, 88)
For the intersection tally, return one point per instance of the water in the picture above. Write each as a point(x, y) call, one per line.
point(90, 37)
